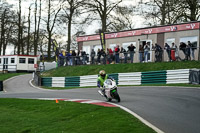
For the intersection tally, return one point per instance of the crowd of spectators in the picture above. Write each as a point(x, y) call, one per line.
point(121, 55)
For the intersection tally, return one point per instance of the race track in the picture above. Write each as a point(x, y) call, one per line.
point(171, 109)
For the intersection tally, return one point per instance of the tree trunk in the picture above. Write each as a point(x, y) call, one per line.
point(35, 40)
point(69, 34)
point(38, 28)
point(19, 29)
point(29, 28)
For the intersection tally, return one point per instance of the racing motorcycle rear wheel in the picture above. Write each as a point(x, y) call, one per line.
point(116, 96)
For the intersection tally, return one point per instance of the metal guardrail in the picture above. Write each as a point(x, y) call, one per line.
point(135, 78)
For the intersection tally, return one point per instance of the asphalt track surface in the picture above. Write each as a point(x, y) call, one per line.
point(171, 109)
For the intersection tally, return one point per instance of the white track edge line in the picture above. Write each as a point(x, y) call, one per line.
point(139, 117)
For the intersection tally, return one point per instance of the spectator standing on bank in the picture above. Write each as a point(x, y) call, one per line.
point(61, 58)
point(131, 50)
point(141, 53)
point(158, 53)
point(73, 57)
point(83, 55)
point(187, 52)
point(117, 50)
point(192, 49)
point(69, 57)
point(177, 54)
point(125, 54)
point(183, 48)
point(168, 50)
point(146, 51)
point(92, 55)
point(111, 55)
point(104, 56)
point(99, 56)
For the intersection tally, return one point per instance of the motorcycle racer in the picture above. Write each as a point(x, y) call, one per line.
point(100, 80)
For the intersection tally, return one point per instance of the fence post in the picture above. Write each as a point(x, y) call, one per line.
point(37, 78)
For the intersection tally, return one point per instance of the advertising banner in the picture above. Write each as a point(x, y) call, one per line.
point(102, 39)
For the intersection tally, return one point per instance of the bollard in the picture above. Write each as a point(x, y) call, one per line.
point(1, 85)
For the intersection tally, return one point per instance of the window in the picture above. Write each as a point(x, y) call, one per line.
point(22, 60)
point(30, 60)
point(170, 41)
point(12, 60)
point(192, 39)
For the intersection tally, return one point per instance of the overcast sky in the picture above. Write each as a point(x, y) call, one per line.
point(137, 20)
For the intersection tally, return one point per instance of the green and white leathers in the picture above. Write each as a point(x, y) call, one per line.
point(101, 80)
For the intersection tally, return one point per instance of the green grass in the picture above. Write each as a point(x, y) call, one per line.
point(118, 68)
point(38, 116)
point(4, 76)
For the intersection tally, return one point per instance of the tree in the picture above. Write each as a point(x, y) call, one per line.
point(7, 19)
point(123, 18)
point(20, 30)
point(52, 15)
point(72, 9)
point(161, 12)
point(103, 8)
point(191, 9)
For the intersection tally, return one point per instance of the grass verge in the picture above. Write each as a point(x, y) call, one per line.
point(4, 76)
point(30, 116)
point(119, 68)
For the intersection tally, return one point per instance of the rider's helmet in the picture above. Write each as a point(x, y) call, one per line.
point(102, 73)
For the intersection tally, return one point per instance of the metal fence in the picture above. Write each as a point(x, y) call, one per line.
point(128, 57)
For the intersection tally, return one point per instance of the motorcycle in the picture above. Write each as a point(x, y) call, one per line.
point(110, 90)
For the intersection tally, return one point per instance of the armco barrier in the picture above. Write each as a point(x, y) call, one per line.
point(178, 76)
point(130, 78)
point(154, 77)
point(135, 78)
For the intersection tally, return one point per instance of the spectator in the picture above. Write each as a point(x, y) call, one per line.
point(111, 56)
point(141, 53)
point(158, 53)
point(187, 52)
point(117, 50)
point(192, 49)
point(173, 48)
point(79, 57)
point(99, 56)
point(73, 57)
point(168, 50)
point(104, 56)
point(146, 51)
point(125, 54)
point(84, 56)
point(61, 59)
point(92, 56)
point(177, 54)
point(131, 49)
point(183, 48)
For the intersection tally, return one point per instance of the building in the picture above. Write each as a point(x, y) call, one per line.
point(18, 63)
point(176, 33)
